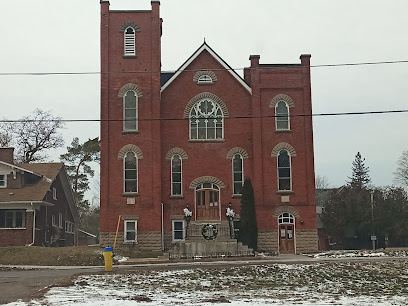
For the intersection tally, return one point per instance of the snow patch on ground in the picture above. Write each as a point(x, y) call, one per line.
point(359, 253)
point(334, 283)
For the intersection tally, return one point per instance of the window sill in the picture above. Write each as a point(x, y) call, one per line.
point(13, 228)
point(130, 194)
point(206, 140)
point(130, 132)
point(283, 131)
point(177, 197)
point(285, 192)
point(129, 56)
point(130, 242)
point(236, 196)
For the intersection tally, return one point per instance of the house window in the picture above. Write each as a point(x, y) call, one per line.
point(205, 79)
point(206, 121)
point(176, 175)
point(282, 116)
point(130, 231)
point(284, 171)
point(54, 193)
point(237, 173)
point(130, 111)
point(60, 221)
point(130, 175)
point(178, 230)
point(53, 223)
point(3, 181)
point(12, 218)
point(130, 41)
point(69, 227)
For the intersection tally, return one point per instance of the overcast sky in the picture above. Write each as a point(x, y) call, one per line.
point(63, 36)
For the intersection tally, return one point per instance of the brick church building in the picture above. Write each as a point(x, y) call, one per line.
point(189, 139)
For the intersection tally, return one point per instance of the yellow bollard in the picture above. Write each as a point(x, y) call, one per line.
point(108, 256)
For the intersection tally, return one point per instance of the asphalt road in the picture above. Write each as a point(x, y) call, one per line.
point(27, 283)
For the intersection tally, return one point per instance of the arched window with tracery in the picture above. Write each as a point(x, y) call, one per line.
point(130, 111)
point(284, 171)
point(176, 175)
point(206, 120)
point(129, 42)
point(130, 172)
point(282, 116)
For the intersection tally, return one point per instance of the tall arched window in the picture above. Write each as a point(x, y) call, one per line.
point(176, 182)
point(206, 120)
point(284, 171)
point(129, 41)
point(237, 173)
point(130, 172)
point(130, 111)
point(282, 116)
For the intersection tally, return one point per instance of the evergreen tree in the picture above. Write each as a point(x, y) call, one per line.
point(248, 226)
point(77, 161)
point(360, 177)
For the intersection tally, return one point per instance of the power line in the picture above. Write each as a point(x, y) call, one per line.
point(195, 70)
point(225, 118)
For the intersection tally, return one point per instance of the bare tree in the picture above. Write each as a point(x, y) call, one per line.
point(6, 133)
point(35, 134)
point(401, 174)
point(322, 182)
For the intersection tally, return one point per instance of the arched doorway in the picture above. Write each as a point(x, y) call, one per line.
point(286, 223)
point(207, 199)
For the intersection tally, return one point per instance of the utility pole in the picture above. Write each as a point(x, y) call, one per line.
point(373, 237)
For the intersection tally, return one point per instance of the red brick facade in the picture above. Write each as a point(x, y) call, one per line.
point(163, 110)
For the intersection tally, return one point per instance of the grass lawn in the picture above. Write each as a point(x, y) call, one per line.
point(62, 256)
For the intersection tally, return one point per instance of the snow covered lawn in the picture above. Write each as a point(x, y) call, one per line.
point(333, 283)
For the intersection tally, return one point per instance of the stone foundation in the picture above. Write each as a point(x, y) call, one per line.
point(306, 241)
point(268, 241)
point(146, 241)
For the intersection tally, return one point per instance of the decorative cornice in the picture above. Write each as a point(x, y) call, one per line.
point(283, 146)
point(130, 86)
point(205, 95)
point(129, 24)
point(286, 209)
point(281, 97)
point(236, 150)
point(174, 151)
point(206, 179)
point(210, 73)
point(130, 148)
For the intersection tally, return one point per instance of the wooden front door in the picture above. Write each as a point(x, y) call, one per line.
point(207, 204)
point(286, 239)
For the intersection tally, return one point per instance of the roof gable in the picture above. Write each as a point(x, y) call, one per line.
point(206, 47)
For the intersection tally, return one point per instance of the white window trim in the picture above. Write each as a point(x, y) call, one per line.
point(14, 211)
point(60, 220)
point(290, 170)
point(233, 172)
point(181, 175)
point(53, 223)
point(137, 173)
point(222, 123)
point(129, 49)
point(69, 227)
point(4, 180)
point(276, 118)
point(291, 218)
point(125, 230)
point(124, 112)
point(54, 193)
point(184, 230)
point(205, 79)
